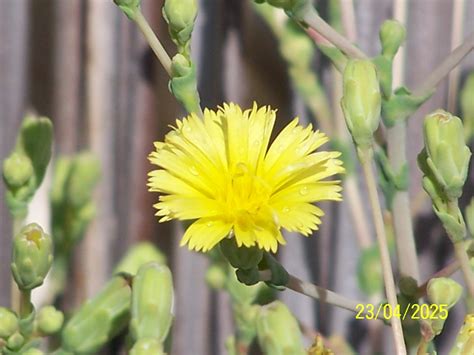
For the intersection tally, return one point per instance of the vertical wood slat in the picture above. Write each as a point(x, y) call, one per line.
point(13, 88)
point(100, 75)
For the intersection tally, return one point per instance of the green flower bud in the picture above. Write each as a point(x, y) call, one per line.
point(99, 319)
point(216, 276)
point(83, 177)
point(8, 323)
point(152, 302)
point(50, 320)
point(447, 154)
point(32, 256)
point(292, 6)
point(138, 255)
point(15, 341)
point(17, 170)
point(180, 16)
point(361, 101)
point(147, 346)
point(183, 83)
point(129, 7)
point(278, 331)
point(392, 34)
point(240, 257)
point(369, 274)
point(443, 290)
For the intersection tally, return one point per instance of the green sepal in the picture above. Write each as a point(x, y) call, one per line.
point(152, 300)
point(33, 144)
point(240, 291)
point(408, 286)
point(248, 277)
point(369, 274)
point(389, 180)
point(183, 84)
point(240, 257)
point(279, 276)
point(401, 105)
point(26, 324)
point(129, 7)
point(99, 319)
point(453, 224)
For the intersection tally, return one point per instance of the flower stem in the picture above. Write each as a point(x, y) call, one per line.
point(403, 225)
point(446, 271)
point(316, 292)
point(313, 20)
point(390, 290)
point(15, 297)
point(153, 41)
point(25, 303)
point(463, 259)
point(451, 61)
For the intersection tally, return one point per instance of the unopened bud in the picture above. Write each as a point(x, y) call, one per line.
point(15, 341)
point(180, 16)
point(138, 255)
point(17, 170)
point(447, 154)
point(147, 346)
point(361, 101)
point(152, 302)
point(8, 323)
point(50, 320)
point(278, 331)
point(392, 34)
point(129, 7)
point(444, 291)
point(32, 256)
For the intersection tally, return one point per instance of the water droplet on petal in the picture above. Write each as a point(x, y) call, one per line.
point(286, 209)
point(194, 171)
point(209, 224)
point(304, 190)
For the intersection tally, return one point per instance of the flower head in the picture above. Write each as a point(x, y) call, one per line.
point(223, 172)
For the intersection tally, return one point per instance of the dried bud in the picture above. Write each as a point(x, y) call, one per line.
point(32, 256)
point(361, 101)
point(447, 155)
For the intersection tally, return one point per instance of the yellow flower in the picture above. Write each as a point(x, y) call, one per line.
point(222, 172)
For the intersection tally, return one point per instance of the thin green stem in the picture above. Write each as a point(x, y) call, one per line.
point(312, 19)
point(446, 271)
point(316, 292)
point(390, 290)
point(463, 258)
point(153, 41)
point(403, 225)
point(15, 301)
point(25, 303)
point(451, 61)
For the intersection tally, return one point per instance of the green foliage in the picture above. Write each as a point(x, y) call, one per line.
point(100, 319)
point(24, 168)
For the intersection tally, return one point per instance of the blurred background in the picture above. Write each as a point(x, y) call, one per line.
point(85, 65)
